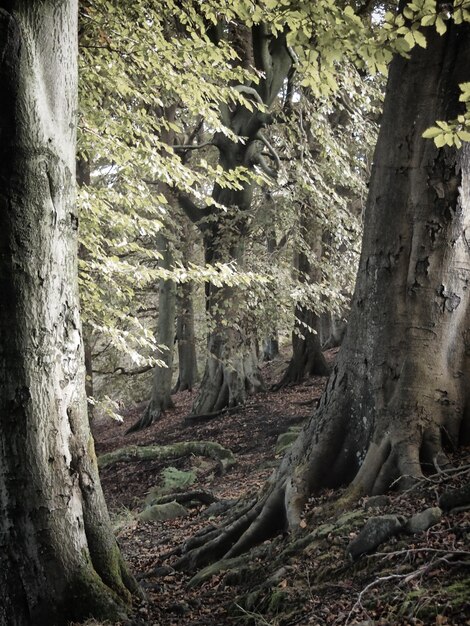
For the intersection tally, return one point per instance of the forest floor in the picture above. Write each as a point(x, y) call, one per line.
point(410, 579)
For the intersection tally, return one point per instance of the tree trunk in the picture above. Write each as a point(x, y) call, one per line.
point(231, 371)
point(400, 388)
point(162, 378)
point(271, 341)
point(58, 557)
point(232, 365)
point(332, 330)
point(185, 336)
point(307, 356)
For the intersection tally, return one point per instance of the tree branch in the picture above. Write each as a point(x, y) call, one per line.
point(190, 208)
point(270, 148)
point(185, 147)
point(121, 370)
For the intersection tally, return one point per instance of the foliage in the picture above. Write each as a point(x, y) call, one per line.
point(157, 87)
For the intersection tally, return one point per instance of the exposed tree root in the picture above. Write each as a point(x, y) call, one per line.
point(191, 419)
point(457, 498)
point(300, 367)
point(200, 495)
point(148, 417)
point(157, 453)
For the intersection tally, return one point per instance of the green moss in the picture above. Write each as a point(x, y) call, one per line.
point(88, 597)
point(458, 593)
point(276, 600)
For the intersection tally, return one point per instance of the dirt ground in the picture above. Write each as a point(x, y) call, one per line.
point(423, 579)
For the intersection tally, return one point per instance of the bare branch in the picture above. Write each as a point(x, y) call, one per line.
point(197, 146)
point(121, 370)
point(270, 148)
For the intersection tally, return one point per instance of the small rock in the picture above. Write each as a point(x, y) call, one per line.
point(160, 512)
point(376, 531)
point(285, 440)
point(423, 520)
point(376, 502)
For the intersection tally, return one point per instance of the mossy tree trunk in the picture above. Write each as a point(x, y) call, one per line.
point(400, 388)
point(59, 560)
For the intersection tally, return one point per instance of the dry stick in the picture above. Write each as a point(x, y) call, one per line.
point(417, 550)
point(405, 577)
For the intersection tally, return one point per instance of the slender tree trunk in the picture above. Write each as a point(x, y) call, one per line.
point(58, 557)
point(271, 342)
point(307, 356)
point(161, 400)
point(186, 338)
point(400, 388)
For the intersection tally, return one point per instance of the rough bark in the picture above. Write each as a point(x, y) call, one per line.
point(231, 367)
point(59, 560)
point(161, 400)
point(400, 388)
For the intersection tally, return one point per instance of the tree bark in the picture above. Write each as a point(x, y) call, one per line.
point(399, 391)
point(188, 374)
point(187, 362)
point(161, 400)
point(59, 560)
point(307, 356)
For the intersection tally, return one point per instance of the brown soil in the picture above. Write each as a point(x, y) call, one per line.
point(317, 585)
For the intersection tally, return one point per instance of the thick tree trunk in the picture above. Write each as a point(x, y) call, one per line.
point(186, 338)
point(58, 557)
point(161, 400)
point(400, 388)
point(270, 348)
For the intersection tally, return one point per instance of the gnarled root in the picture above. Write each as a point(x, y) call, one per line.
point(258, 520)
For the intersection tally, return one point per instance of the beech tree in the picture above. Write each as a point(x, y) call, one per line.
point(231, 367)
point(59, 560)
point(398, 394)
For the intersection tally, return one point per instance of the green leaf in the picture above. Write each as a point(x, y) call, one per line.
point(410, 39)
point(428, 20)
point(464, 135)
point(432, 132)
point(441, 26)
point(420, 38)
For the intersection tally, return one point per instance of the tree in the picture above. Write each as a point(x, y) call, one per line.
point(58, 556)
point(185, 328)
point(231, 367)
point(398, 394)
